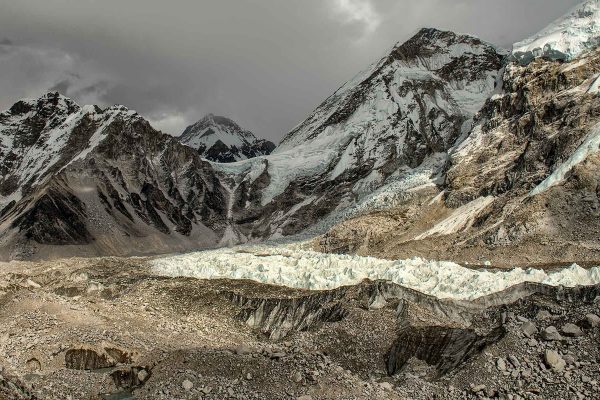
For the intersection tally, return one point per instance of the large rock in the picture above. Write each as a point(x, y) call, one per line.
point(529, 329)
point(551, 334)
point(590, 321)
point(554, 361)
point(187, 385)
point(571, 330)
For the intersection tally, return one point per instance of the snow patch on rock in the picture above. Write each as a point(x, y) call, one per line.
point(590, 145)
point(595, 86)
point(461, 218)
point(566, 38)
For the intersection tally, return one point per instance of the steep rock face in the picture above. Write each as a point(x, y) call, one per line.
point(222, 140)
point(542, 117)
point(546, 127)
point(101, 182)
point(442, 347)
point(400, 116)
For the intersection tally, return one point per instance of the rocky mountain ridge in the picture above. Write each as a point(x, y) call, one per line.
point(445, 139)
point(100, 182)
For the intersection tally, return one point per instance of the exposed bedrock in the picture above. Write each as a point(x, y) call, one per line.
point(88, 358)
point(276, 318)
point(439, 346)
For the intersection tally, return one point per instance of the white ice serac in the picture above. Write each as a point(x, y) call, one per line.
point(293, 267)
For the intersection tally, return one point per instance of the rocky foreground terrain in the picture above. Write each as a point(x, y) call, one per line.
point(111, 329)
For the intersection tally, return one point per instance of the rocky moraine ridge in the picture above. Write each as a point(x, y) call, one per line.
point(110, 328)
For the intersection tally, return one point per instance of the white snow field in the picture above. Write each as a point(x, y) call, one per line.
point(290, 265)
point(566, 38)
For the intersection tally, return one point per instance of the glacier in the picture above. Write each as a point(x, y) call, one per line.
point(293, 265)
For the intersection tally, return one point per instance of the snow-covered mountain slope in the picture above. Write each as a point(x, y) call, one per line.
point(443, 148)
point(222, 140)
point(566, 38)
point(525, 180)
point(407, 110)
point(100, 182)
point(37, 139)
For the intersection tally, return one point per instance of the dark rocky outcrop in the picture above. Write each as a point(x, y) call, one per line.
point(92, 358)
point(439, 346)
point(87, 359)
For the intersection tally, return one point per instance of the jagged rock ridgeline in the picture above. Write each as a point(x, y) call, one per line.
point(100, 182)
point(222, 140)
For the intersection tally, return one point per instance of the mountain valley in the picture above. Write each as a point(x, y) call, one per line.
point(430, 231)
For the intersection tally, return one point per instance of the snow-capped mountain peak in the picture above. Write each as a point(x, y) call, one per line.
point(39, 137)
point(566, 38)
point(429, 58)
point(221, 139)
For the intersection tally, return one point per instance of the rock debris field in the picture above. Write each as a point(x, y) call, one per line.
point(113, 328)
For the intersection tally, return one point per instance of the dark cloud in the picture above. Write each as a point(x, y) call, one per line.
point(264, 63)
point(61, 87)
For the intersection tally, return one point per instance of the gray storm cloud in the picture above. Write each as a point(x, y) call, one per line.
point(264, 63)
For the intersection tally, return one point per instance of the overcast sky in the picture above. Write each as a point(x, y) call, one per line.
point(265, 63)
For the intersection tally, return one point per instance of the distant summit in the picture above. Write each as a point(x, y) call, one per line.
point(222, 140)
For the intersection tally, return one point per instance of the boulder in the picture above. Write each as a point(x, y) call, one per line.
point(554, 361)
point(187, 384)
point(551, 334)
point(571, 330)
point(543, 315)
point(529, 329)
point(590, 321)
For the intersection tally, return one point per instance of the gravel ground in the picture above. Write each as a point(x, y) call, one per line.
point(109, 329)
